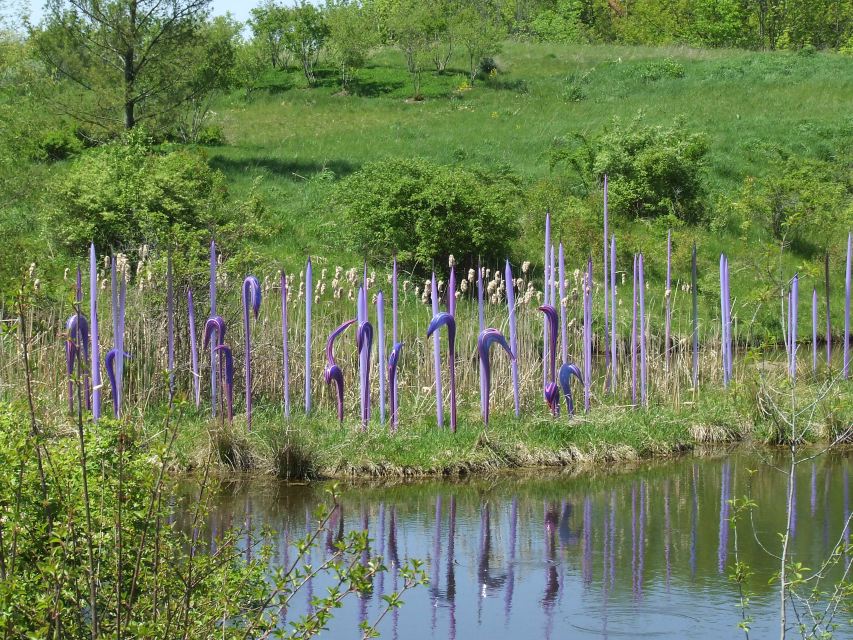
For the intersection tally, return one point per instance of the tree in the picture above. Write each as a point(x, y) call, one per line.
point(479, 30)
point(305, 35)
point(130, 60)
point(350, 37)
point(407, 27)
point(270, 24)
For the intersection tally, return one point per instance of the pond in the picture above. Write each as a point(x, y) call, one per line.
point(645, 552)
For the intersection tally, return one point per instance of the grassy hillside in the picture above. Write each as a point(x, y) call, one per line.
point(748, 104)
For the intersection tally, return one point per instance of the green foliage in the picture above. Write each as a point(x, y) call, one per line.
point(423, 212)
point(127, 194)
point(561, 24)
point(479, 30)
point(804, 201)
point(88, 548)
point(305, 34)
point(270, 24)
point(653, 171)
point(58, 144)
point(660, 69)
point(351, 36)
point(126, 61)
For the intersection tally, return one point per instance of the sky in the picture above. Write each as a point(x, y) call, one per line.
point(239, 9)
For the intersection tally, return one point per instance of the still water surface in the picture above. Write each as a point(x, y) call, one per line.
point(645, 553)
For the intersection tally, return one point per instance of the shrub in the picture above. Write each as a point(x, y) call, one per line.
point(423, 211)
point(806, 202)
point(57, 144)
point(652, 170)
point(210, 135)
point(660, 70)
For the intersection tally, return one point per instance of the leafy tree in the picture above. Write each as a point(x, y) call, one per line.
point(130, 61)
point(479, 30)
point(560, 24)
point(270, 24)
point(408, 22)
point(803, 201)
point(350, 37)
point(250, 62)
point(653, 171)
point(125, 194)
point(423, 211)
point(305, 36)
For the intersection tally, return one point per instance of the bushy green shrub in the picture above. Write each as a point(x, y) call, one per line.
point(211, 135)
point(57, 144)
point(660, 70)
point(804, 201)
point(423, 211)
point(652, 170)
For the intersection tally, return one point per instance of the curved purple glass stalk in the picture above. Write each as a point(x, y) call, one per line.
point(170, 328)
point(332, 372)
point(451, 292)
point(436, 356)
point(285, 352)
point(552, 392)
point(194, 349)
point(484, 342)
point(94, 352)
point(634, 339)
point(644, 395)
point(309, 288)
point(447, 320)
point(76, 341)
point(395, 337)
point(667, 296)
point(109, 365)
point(380, 337)
point(795, 294)
point(361, 316)
point(694, 292)
point(251, 298)
point(513, 337)
point(214, 325)
point(393, 362)
point(566, 373)
point(828, 318)
point(587, 336)
point(364, 343)
point(847, 284)
point(561, 265)
point(606, 261)
point(213, 369)
point(225, 354)
point(724, 319)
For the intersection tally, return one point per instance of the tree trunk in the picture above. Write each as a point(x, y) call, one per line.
point(130, 70)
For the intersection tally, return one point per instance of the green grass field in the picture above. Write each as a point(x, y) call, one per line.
point(749, 104)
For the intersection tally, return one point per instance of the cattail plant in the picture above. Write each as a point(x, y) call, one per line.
point(285, 357)
point(436, 353)
point(513, 337)
point(552, 392)
point(251, 300)
point(95, 363)
point(332, 372)
point(485, 340)
point(447, 320)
